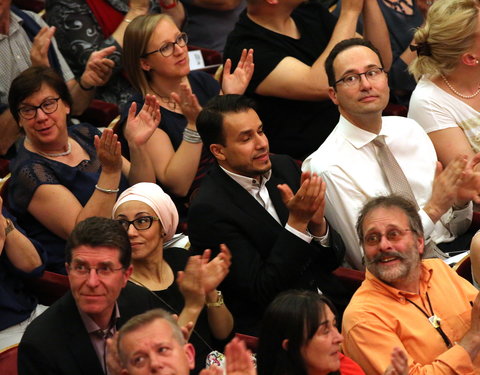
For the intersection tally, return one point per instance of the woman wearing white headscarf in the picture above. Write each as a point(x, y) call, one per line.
point(150, 218)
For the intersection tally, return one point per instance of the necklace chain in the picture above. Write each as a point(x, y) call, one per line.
point(165, 99)
point(172, 310)
point(57, 155)
point(457, 93)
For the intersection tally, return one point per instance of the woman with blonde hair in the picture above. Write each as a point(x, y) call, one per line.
point(446, 101)
point(156, 61)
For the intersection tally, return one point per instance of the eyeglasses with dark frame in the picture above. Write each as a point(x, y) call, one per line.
point(353, 79)
point(392, 235)
point(48, 106)
point(81, 269)
point(167, 49)
point(140, 223)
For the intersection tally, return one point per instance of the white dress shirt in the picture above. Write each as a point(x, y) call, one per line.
point(348, 164)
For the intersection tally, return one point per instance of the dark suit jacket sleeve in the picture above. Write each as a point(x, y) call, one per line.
point(32, 360)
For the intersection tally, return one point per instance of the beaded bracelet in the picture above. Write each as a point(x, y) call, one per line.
point(108, 191)
point(191, 136)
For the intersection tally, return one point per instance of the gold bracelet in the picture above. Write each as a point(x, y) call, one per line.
point(9, 227)
point(219, 301)
point(127, 20)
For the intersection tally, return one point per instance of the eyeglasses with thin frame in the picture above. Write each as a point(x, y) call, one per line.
point(48, 106)
point(140, 223)
point(167, 49)
point(81, 269)
point(353, 79)
point(392, 235)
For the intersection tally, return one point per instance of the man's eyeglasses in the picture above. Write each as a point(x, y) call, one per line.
point(27, 112)
point(353, 79)
point(393, 235)
point(140, 223)
point(81, 269)
point(167, 49)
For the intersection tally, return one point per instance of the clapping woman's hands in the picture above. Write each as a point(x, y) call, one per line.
point(237, 82)
point(188, 103)
point(109, 151)
point(189, 282)
point(140, 127)
point(215, 271)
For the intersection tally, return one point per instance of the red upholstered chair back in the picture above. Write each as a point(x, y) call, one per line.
point(48, 288)
point(8, 361)
point(464, 268)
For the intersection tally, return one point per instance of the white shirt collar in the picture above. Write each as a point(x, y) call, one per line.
point(249, 183)
point(356, 136)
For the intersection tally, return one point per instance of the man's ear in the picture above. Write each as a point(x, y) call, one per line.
point(128, 273)
point(333, 95)
point(285, 344)
point(190, 353)
point(420, 244)
point(217, 150)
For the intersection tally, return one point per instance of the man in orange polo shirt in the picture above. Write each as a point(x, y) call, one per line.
point(421, 306)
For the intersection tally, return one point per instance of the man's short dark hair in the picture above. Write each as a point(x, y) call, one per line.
point(30, 81)
point(100, 231)
point(210, 119)
point(342, 46)
point(388, 201)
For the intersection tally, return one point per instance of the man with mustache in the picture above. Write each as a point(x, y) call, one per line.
point(368, 155)
point(420, 306)
point(269, 215)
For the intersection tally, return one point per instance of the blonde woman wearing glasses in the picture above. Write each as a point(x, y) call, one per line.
point(156, 61)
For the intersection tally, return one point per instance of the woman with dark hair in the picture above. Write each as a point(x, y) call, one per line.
point(63, 173)
point(299, 337)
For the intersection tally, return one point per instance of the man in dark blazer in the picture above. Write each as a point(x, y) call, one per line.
point(69, 337)
point(266, 211)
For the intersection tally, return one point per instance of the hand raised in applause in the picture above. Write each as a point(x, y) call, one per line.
point(140, 127)
point(471, 340)
point(237, 82)
point(109, 151)
point(445, 187)
point(214, 271)
point(307, 206)
point(41, 44)
point(98, 69)
point(469, 183)
point(398, 364)
point(188, 103)
point(190, 283)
